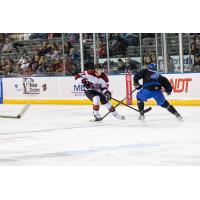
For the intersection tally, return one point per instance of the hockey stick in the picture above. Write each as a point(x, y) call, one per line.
point(146, 110)
point(121, 102)
point(101, 118)
point(18, 116)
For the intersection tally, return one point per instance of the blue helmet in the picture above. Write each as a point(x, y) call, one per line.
point(152, 66)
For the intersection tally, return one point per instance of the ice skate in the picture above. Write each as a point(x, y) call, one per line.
point(179, 117)
point(97, 118)
point(120, 117)
point(141, 117)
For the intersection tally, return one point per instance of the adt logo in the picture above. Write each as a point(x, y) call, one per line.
point(180, 84)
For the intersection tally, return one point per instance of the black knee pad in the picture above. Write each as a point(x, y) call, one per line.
point(165, 105)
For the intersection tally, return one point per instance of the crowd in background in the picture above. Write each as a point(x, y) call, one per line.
point(48, 59)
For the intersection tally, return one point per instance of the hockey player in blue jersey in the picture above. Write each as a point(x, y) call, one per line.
point(153, 82)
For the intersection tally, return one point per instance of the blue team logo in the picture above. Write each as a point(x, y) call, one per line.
point(155, 76)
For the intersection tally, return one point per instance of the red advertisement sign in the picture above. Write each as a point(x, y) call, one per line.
point(128, 89)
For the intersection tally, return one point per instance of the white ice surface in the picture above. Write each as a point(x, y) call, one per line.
point(63, 135)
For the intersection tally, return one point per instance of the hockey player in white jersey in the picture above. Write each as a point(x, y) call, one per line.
point(96, 86)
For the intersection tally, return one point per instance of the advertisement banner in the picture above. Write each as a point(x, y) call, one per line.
point(31, 88)
point(185, 86)
point(67, 90)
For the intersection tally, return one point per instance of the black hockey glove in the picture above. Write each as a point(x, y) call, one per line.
point(168, 92)
point(108, 95)
point(87, 84)
point(137, 86)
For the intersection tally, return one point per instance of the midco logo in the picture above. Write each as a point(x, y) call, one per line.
point(180, 84)
point(78, 90)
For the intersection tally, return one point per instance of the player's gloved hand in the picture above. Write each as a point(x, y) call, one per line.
point(137, 86)
point(87, 84)
point(168, 92)
point(108, 95)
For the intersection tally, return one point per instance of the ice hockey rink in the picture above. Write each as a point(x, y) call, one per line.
point(62, 135)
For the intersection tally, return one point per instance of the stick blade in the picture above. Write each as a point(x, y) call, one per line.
point(18, 116)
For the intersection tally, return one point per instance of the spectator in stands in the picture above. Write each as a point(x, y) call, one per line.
point(17, 70)
point(35, 63)
point(67, 47)
point(45, 49)
point(87, 37)
point(42, 66)
point(2, 64)
point(197, 41)
point(56, 51)
point(70, 67)
point(9, 68)
point(58, 66)
point(7, 47)
point(50, 71)
point(73, 54)
point(113, 67)
point(12, 64)
point(1, 41)
point(170, 65)
point(25, 62)
point(131, 65)
point(3, 67)
point(194, 49)
point(102, 49)
point(153, 57)
point(196, 65)
point(121, 66)
point(28, 71)
point(147, 60)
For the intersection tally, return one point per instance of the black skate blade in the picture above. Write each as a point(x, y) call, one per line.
point(180, 119)
point(142, 119)
point(96, 120)
point(148, 109)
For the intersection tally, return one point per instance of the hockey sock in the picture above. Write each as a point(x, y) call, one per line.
point(140, 106)
point(170, 108)
point(96, 110)
point(110, 107)
point(96, 100)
